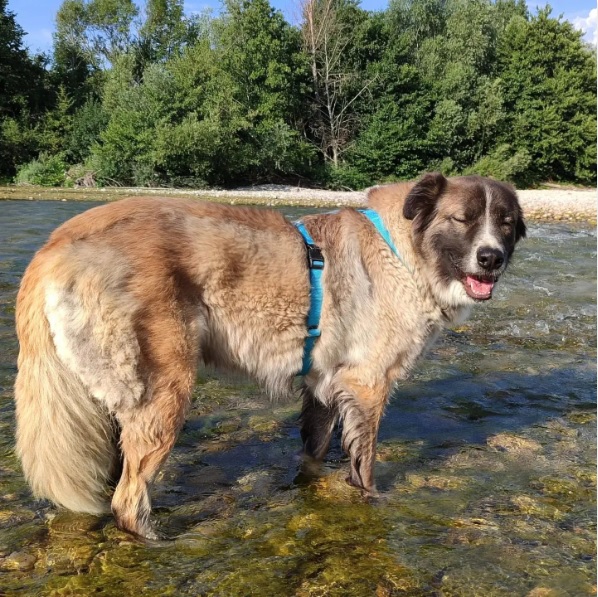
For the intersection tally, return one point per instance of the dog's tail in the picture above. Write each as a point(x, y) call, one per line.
point(66, 440)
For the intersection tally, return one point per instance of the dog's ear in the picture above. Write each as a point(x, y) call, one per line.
point(520, 228)
point(422, 198)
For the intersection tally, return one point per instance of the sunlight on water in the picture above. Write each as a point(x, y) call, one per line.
point(486, 464)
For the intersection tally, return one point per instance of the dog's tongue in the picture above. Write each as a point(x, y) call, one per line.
point(479, 287)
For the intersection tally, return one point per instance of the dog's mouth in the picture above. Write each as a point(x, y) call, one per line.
point(478, 287)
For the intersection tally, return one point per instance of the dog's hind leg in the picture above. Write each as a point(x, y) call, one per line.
point(361, 407)
point(317, 424)
point(148, 435)
point(169, 347)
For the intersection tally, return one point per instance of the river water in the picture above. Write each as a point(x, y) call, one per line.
point(486, 464)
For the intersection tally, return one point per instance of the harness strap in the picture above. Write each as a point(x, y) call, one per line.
point(316, 269)
point(374, 217)
point(316, 295)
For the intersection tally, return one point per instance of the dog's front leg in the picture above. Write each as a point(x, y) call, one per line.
point(317, 424)
point(361, 407)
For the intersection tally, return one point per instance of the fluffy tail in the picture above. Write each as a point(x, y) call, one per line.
point(66, 441)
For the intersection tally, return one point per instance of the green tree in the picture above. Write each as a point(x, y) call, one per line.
point(124, 153)
point(223, 109)
point(392, 142)
point(23, 94)
point(261, 56)
point(147, 95)
point(165, 30)
point(74, 70)
point(100, 30)
point(55, 127)
point(549, 82)
point(86, 126)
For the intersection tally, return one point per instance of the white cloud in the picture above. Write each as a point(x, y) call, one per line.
point(589, 26)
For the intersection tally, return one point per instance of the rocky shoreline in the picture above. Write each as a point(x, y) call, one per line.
point(561, 204)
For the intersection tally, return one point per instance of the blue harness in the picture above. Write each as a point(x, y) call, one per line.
point(316, 270)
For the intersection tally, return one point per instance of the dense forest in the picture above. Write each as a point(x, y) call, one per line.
point(344, 98)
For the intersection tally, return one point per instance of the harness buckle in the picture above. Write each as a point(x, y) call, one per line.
point(315, 257)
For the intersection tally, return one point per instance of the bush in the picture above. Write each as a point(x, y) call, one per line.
point(46, 170)
point(87, 124)
point(345, 178)
point(505, 163)
point(18, 143)
point(446, 166)
point(81, 175)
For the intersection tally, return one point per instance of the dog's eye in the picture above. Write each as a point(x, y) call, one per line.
point(507, 223)
point(460, 219)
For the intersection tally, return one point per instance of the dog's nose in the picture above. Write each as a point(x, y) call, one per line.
point(490, 258)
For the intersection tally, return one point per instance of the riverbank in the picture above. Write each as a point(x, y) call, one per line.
point(561, 204)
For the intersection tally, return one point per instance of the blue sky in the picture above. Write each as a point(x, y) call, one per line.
point(37, 16)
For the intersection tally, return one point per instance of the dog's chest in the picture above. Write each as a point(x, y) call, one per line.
point(415, 345)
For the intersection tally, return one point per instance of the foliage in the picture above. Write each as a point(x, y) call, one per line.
point(549, 79)
point(86, 125)
point(147, 95)
point(505, 164)
point(47, 170)
point(22, 94)
point(99, 29)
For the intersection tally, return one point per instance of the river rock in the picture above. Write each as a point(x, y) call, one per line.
point(18, 560)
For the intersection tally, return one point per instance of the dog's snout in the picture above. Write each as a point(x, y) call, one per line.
point(490, 258)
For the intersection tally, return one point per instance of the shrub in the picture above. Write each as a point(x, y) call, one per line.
point(347, 177)
point(81, 175)
point(87, 124)
point(46, 170)
point(505, 163)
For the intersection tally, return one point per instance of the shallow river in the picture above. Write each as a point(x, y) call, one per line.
point(486, 464)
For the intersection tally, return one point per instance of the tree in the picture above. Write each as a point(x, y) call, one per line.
point(328, 29)
point(125, 150)
point(392, 142)
point(23, 94)
point(224, 109)
point(100, 30)
point(55, 127)
point(349, 98)
point(20, 75)
point(261, 56)
point(418, 19)
point(73, 70)
point(164, 31)
point(87, 124)
point(549, 82)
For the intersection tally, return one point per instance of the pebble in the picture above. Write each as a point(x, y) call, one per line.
point(18, 560)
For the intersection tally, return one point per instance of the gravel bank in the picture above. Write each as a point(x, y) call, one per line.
point(539, 204)
point(553, 204)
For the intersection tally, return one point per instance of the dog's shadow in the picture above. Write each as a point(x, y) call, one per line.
point(207, 477)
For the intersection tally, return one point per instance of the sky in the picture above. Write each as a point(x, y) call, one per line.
point(36, 17)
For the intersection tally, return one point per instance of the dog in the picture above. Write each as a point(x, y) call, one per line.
point(117, 309)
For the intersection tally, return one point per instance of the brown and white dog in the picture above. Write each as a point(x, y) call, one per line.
point(116, 310)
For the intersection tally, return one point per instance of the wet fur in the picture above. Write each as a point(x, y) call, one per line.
point(117, 309)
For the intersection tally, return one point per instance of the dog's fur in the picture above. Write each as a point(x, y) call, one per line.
point(116, 310)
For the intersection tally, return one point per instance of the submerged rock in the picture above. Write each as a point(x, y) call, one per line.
point(18, 560)
point(514, 444)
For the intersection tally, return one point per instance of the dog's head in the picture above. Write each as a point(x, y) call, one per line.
point(465, 229)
